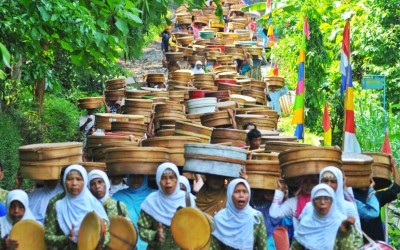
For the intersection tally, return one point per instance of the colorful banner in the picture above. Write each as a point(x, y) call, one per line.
point(298, 116)
point(350, 142)
point(326, 124)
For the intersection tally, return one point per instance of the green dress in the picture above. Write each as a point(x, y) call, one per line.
point(111, 208)
point(54, 236)
point(148, 232)
point(260, 238)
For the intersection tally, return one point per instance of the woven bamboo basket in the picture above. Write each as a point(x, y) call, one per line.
point(169, 106)
point(233, 88)
point(174, 56)
point(246, 83)
point(47, 151)
point(194, 130)
point(194, 118)
point(89, 166)
point(114, 84)
point(276, 81)
point(135, 160)
point(280, 138)
point(186, 51)
point(114, 95)
point(381, 170)
point(218, 94)
point(95, 152)
point(260, 121)
point(216, 119)
point(242, 99)
point(42, 172)
point(175, 145)
point(222, 135)
point(165, 132)
point(307, 161)
point(194, 58)
point(280, 146)
point(90, 102)
point(226, 105)
point(258, 95)
point(103, 120)
point(139, 103)
point(214, 159)
point(62, 161)
point(136, 94)
point(185, 41)
point(263, 174)
point(272, 114)
point(262, 156)
point(357, 169)
point(128, 126)
point(203, 77)
point(177, 96)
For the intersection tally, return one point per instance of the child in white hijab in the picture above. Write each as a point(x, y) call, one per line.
point(198, 68)
point(17, 210)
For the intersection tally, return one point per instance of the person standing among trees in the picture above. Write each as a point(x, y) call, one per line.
point(165, 36)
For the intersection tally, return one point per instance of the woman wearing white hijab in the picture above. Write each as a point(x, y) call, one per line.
point(239, 226)
point(17, 210)
point(159, 208)
point(333, 177)
point(99, 186)
point(198, 68)
point(184, 184)
point(39, 199)
point(325, 227)
point(65, 218)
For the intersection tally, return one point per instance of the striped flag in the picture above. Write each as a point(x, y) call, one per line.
point(326, 124)
point(350, 142)
point(298, 116)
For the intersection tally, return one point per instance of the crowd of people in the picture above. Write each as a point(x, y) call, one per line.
point(323, 213)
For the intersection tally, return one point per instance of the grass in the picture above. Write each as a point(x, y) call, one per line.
point(285, 125)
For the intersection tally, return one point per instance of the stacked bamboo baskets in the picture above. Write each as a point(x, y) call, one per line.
point(45, 161)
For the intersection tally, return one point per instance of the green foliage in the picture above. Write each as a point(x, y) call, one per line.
point(10, 141)
point(61, 119)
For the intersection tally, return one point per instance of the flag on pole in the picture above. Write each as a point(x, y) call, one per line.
point(350, 142)
point(298, 116)
point(274, 69)
point(269, 4)
point(386, 145)
point(326, 124)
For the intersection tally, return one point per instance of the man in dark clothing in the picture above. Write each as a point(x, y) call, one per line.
point(374, 227)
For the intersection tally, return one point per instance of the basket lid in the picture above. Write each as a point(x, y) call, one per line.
point(29, 234)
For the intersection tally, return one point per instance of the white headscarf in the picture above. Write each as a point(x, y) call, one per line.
point(161, 206)
point(345, 207)
point(5, 222)
point(315, 231)
point(39, 199)
point(183, 180)
point(198, 71)
point(71, 210)
point(100, 174)
point(235, 227)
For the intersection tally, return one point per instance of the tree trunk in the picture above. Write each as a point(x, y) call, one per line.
point(40, 86)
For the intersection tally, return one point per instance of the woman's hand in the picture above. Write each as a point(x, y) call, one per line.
point(71, 233)
point(242, 173)
point(346, 224)
point(10, 243)
point(160, 233)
